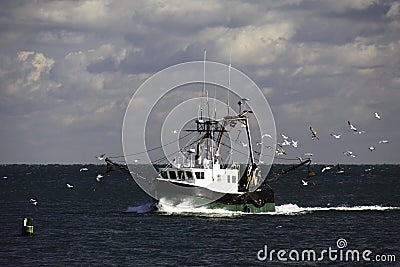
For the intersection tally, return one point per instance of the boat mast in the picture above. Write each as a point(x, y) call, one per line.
point(229, 79)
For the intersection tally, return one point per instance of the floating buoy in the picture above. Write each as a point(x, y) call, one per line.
point(27, 227)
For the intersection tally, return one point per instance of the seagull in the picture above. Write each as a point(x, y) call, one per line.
point(33, 201)
point(101, 157)
point(360, 132)
point(308, 154)
point(243, 144)
point(377, 116)
point(313, 133)
point(368, 170)
point(336, 136)
point(327, 168)
point(280, 151)
point(284, 136)
point(340, 169)
point(259, 143)
point(383, 142)
point(286, 143)
point(99, 176)
point(5, 177)
point(352, 126)
point(295, 144)
point(70, 185)
point(83, 169)
point(349, 154)
point(371, 148)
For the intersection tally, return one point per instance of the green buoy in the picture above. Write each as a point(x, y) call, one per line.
point(27, 227)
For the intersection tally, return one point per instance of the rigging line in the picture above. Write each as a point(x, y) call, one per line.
point(240, 152)
point(166, 157)
point(142, 152)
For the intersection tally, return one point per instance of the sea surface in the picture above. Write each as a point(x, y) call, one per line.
point(86, 225)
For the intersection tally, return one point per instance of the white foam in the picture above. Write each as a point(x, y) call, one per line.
point(186, 208)
point(293, 209)
point(286, 209)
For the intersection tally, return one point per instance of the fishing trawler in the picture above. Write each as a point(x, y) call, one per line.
point(229, 184)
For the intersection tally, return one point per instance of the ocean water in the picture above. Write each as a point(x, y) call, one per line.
point(86, 225)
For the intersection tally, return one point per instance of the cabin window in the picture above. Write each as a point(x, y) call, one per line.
point(199, 175)
point(180, 175)
point(233, 179)
point(228, 179)
point(189, 175)
point(164, 175)
point(172, 175)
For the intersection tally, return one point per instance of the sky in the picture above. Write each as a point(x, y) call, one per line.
point(68, 70)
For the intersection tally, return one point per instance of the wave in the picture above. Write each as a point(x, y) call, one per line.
point(167, 208)
point(185, 208)
point(293, 209)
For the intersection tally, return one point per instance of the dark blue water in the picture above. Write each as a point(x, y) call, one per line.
point(85, 225)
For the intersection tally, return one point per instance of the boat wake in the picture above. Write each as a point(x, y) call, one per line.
point(293, 209)
point(286, 209)
point(185, 208)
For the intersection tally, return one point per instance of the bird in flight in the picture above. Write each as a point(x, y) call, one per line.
point(101, 157)
point(295, 144)
point(360, 132)
point(336, 136)
point(350, 154)
point(98, 178)
point(371, 148)
point(70, 185)
point(327, 168)
point(352, 127)
point(33, 201)
point(377, 115)
point(340, 169)
point(313, 133)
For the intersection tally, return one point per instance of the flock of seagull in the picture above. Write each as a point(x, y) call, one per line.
point(289, 142)
point(69, 185)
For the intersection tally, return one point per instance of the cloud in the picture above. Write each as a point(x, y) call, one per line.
point(68, 69)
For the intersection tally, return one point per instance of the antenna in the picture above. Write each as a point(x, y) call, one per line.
point(204, 84)
point(229, 79)
point(204, 73)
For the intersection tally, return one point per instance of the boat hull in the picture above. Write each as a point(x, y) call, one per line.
point(261, 200)
point(248, 208)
